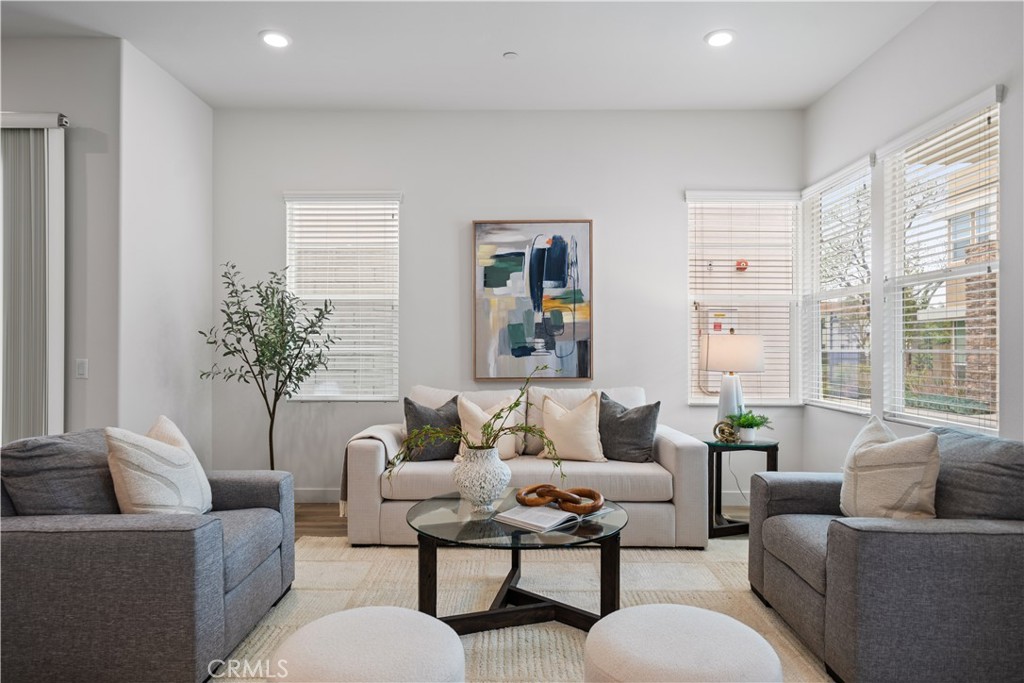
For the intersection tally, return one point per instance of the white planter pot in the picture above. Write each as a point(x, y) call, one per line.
point(748, 434)
point(481, 476)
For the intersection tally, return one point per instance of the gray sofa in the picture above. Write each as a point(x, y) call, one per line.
point(901, 600)
point(90, 594)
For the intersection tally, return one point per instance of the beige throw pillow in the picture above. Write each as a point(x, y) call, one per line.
point(473, 418)
point(574, 432)
point(885, 476)
point(158, 472)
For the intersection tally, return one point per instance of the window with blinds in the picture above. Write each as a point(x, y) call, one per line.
point(344, 247)
point(837, 301)
point(742, 277)
point(942, 303)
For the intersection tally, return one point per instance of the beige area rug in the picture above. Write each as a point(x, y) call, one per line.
point(331, 576)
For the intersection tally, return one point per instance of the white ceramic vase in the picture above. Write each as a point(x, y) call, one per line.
point(748, 433)
point(481, 476)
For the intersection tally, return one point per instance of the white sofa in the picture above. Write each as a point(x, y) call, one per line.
point(667, 500)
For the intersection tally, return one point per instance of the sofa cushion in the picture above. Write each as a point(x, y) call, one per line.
point(474, 417)
point(619, 481)
point(631, 397)
point(574, 433)
point(64, 474)
point(885, 476)
point(418, 416)
point(800, 542)
point(251, 535)
point(158, 472)
point(628, 433)
point(487, 399)
point(980, 477)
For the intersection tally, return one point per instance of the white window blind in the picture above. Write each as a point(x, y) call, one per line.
point(837, 302)
point(942, 233)
point(344, 247)
point(742, 277)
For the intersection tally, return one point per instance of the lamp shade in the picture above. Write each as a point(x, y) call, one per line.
point(732, 352)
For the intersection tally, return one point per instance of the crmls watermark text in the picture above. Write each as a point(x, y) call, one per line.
point(243, 668)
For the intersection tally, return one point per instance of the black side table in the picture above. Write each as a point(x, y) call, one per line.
point(718, 524)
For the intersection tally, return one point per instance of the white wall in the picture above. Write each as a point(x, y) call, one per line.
point(952, 52)
point(81, 78)
point(166, 243)
point(626, 171)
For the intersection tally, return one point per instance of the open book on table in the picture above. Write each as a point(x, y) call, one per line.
point(543, 517)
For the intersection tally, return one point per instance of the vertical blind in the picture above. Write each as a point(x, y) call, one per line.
point(942, 227)
point(837, 302)
point(32, 150)
point(344, 247)
point(742, 277)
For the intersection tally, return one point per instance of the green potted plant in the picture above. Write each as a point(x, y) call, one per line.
point(480, 475)
point(747, 424)
point(269, 338)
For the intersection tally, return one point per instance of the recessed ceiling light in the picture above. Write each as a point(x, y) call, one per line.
point(510, 55)
point(719, 38)
point(275, 38)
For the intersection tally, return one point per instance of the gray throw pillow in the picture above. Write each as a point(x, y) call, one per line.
point(628, 433)
point(417, 416)
point(980, 477)
point(65, 474)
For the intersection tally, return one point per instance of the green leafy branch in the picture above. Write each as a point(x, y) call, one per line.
point(269, 338)
point(492, 430)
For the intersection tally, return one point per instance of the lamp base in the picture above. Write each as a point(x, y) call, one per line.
point(730, 396)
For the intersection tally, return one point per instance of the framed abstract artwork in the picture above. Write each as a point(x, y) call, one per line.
point(533, 299)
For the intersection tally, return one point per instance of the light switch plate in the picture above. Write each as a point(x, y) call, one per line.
point(81, 368)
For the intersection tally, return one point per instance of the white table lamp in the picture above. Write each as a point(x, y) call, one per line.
point(729, 354)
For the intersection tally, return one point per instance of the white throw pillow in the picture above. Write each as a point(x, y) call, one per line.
point(574, 432)
point(885, 476)
point(570, 397)
point(158, 472)
point(473, 418)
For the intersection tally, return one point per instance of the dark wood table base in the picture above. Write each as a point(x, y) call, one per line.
point(718, 524)
point(513, 606)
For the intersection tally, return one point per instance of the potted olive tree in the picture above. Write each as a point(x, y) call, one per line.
point(268, 338)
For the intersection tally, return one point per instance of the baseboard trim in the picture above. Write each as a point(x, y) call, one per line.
point(310, 495)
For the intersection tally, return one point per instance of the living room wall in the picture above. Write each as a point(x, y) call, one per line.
point(81, 78)
point(952, 52)
point(138, 226)
point(625, 170)
point(166, 250)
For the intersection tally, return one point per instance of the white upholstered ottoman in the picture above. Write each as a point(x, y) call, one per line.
point(373, 644)
point(676, 643)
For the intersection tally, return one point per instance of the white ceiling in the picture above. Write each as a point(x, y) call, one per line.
point(448, 55)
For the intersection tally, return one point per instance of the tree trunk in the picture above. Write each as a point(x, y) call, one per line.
point(270, 437)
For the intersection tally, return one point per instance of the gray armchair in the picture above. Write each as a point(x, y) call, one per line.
point(899, 600)
point(105, 596)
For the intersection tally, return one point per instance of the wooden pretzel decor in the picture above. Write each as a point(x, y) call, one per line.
point(570, 500)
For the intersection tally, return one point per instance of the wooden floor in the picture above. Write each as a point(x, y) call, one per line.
point(321, 519)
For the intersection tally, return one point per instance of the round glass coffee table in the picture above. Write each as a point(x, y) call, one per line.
point(448, 520)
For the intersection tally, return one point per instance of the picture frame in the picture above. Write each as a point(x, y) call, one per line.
point(533, 299)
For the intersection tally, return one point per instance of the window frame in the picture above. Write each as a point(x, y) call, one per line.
point(814, 293)
point(350, 200)
point(893, 404)
point(791, 300)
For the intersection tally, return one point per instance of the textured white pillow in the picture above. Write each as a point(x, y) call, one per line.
point(885, 476)
point(157, 472)
point(574, 432)
point(473, 418)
